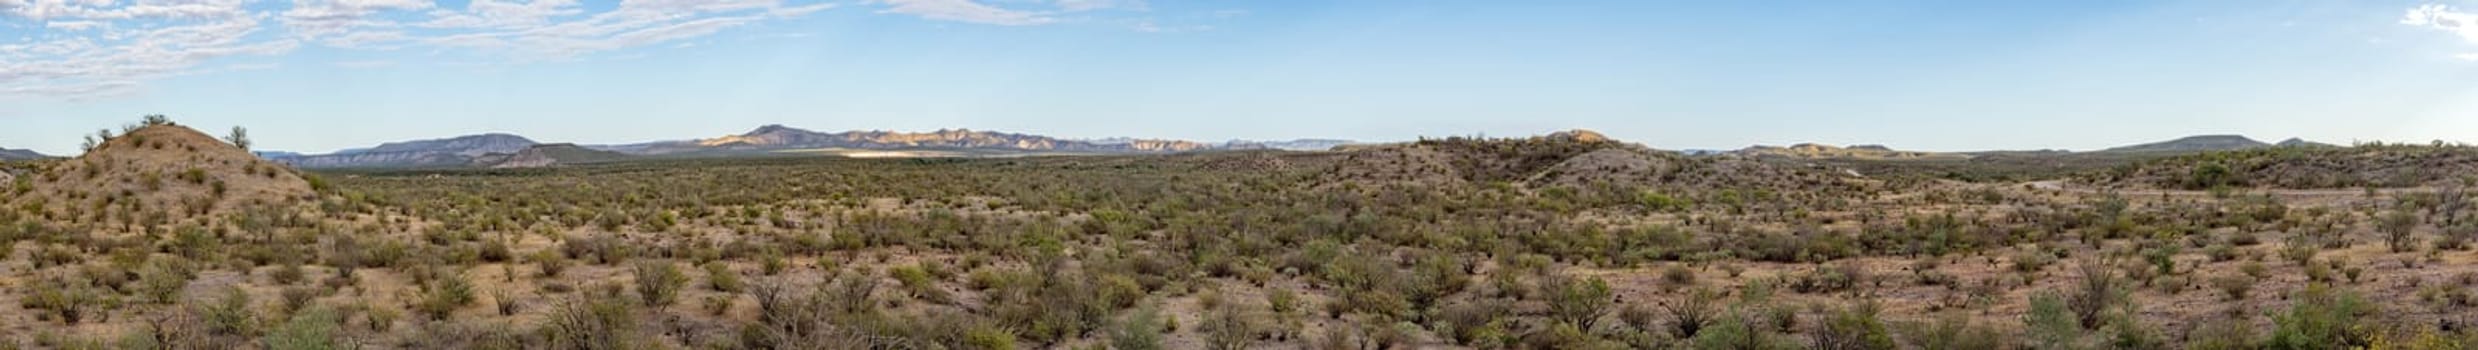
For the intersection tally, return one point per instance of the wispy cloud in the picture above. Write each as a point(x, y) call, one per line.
point(1090, 5)
point(100, 49)
point(2448, 19)
point(103, 48)
point(366, 64)
point(85, 49)
point(1016, 12)
point(549, 30)
point(966, 11)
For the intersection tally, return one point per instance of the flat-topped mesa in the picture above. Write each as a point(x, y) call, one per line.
point(163, 171)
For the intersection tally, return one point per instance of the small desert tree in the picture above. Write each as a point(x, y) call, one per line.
point(239, 138)
point(2099, 290)
point(2396, 227)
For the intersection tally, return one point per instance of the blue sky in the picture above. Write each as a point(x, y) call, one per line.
point(1935, 75)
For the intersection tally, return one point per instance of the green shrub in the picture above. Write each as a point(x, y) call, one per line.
point(1141, 330)
point(2322, 318)
point(444, 296)
point(722, 278)
point(1472, 322)
point(1853, 328)
point(918, 282)
point(1829, 279)
point(1690, 315)
point(552, 263)
point(1737, 333)
point(1229, 327)
point(2222, 334)
point(2235, 287)
point(316, 329)
point(2099, 291)
point(594, 323)
point(1577, 302)
point(495, 251)
point(2048, 325)
point(229, 314)
point(658, 283)
point(1951, 331)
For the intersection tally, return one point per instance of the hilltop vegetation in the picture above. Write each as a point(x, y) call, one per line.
point(1565, 241)
point(2369, 165)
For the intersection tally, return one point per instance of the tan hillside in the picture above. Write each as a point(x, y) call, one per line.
point(161, 174)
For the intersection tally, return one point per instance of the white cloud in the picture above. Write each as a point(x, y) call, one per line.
point(966, 11)
point(503, 15)
point(366, 64)
point(82, 49)
point(315, 18)
point(2447, 19)
point(75, 25)
point(1090, 5)
point(548, 30)
point(101, 48)
point(98, 48)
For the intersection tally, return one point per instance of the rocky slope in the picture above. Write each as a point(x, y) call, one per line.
point(161, 174)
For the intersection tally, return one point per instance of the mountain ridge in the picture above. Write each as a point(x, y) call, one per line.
point(547, 155)
point(441, 152)
point(20, 154)
point(2196, 143)
point(778, 137)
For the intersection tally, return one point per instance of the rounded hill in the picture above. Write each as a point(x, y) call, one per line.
point(161, 173)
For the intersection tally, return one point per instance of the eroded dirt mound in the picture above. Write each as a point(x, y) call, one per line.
point(161, 174)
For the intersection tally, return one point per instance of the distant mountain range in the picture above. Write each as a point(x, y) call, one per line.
point(19, 154)
point(499, 150)
point(504, 150)
point(2193, 144)
point(1292, 145)
point(449, 152)
point(783, 138)
point(1810, 150)
point(544, 155)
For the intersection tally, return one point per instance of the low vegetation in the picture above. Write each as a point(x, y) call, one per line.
point(1563, 242)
